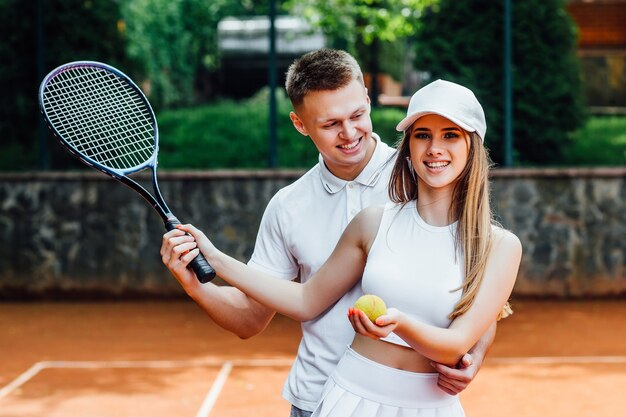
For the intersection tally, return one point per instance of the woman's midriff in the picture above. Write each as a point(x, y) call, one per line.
point(389, 354)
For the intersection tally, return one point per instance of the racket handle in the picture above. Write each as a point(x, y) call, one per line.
point(204, 271)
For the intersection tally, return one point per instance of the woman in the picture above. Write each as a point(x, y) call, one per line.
point(434, 255)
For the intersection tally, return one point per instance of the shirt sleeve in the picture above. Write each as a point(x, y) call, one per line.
point(271, 250)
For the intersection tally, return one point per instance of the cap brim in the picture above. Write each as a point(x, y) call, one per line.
point(409, 120)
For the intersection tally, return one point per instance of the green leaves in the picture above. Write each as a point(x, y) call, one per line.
point(458, 43)
point(384, 20)
point(161, 37)
point(229, 134)
point(173, 40)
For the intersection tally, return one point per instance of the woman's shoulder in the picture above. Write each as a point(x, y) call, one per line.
point(371, 214)
point(376, 211)
point(367, 223)
point(505, 240)
point(372, 217)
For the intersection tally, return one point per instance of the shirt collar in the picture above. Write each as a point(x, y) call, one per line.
point(368, 177)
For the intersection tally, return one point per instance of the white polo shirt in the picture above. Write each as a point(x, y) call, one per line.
point(299, 230)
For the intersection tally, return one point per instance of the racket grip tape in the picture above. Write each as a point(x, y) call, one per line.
point(204, 271)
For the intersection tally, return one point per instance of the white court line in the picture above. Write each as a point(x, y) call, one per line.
point(556, 360)
point(39, 366)
point(165, 364)
point(216, 389)
point(21, 380)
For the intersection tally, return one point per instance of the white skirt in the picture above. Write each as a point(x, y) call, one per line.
point(360, 387)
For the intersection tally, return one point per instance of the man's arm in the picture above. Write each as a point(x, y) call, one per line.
point(227, 306)
point(454, 380)
point(233, 310)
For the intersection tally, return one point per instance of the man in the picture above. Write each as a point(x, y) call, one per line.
point(304, 221)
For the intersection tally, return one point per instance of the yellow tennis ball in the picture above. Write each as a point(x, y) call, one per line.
point(372, 305)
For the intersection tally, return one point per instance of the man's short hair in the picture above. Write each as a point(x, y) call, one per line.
point(324, 69)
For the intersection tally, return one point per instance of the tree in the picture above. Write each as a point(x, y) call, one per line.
point(373, 30)
point(350, 21)
point(162, 44)
point(73, 30)
point(177, 44)
point(457, 43)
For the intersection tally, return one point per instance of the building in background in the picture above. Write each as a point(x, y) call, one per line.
point(602, 50)
point(244, 50)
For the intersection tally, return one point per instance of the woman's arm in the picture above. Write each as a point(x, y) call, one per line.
point(454, 379)
point(447, 346)
point(299, 301)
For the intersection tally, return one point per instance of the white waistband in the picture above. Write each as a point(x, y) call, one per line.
point(387, 385)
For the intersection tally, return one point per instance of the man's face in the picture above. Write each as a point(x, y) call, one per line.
point(338, 122)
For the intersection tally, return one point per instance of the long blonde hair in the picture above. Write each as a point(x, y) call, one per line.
point(470, 206)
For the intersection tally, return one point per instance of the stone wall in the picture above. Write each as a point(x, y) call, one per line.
point(82, 234)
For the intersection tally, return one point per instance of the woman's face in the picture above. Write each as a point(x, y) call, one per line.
point(439, 151)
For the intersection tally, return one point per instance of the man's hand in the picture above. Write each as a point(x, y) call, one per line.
point(455, 380)
point(227, 306)
point(452, 380)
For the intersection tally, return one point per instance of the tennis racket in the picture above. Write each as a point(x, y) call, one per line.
point(101, 117)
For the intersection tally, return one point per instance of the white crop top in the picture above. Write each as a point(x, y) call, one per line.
point(412, 266)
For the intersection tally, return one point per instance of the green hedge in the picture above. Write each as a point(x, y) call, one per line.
point(601, 142)
point(231, 134)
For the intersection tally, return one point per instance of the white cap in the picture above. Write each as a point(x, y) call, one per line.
point(452, 101)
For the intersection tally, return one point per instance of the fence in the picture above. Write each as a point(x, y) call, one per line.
point(82, 233)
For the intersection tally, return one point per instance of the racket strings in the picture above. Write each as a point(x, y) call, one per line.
point(104, 125)
point(106, 140)
point(101, 116)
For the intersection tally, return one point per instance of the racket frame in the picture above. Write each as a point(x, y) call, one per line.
point(156, 201)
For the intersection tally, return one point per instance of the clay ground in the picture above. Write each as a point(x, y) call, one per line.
point(166, 359)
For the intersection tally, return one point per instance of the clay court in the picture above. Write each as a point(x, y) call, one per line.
point(166, 359)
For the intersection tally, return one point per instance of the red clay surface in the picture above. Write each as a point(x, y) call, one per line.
point(166, 359)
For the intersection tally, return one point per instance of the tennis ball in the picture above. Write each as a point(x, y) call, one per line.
point(372, 305)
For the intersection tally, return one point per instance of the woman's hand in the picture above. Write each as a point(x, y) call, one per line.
point(204, 244)
point(384, 324)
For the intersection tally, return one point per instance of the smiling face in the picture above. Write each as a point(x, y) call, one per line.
point(439, 152)
point(338, 122)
